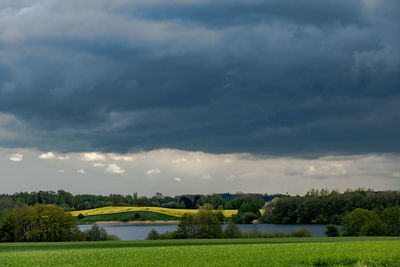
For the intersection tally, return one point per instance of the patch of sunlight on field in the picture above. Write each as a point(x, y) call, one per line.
point(166, 211)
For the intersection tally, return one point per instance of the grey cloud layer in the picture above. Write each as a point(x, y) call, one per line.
point(272, 77)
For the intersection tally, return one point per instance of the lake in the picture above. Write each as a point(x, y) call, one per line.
point(139, 232)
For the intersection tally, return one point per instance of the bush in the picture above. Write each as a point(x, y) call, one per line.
point(125, 219)
point(97, 233)
point(332, 230)
point(153, 235)
point(81, 216)
point(244, 218)
point(169, 235)
point(249, 207)
point(220, 216)
point(232, 231)
point(301, 232)
point(363, 222)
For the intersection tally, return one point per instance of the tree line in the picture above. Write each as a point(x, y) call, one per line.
point(324, 207)
point(72, 202)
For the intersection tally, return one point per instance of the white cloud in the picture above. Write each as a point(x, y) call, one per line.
point(92, 156)
point(60, 171)
point(120, 157)
point(154, 171)
point(177, 179)
point(180, 160)
point(311, 170)
point(16, 157)
point(98, 164)
point(81, 171)
point(66, 157)
point(48, 155)
point(114, 169)
point(325, 168)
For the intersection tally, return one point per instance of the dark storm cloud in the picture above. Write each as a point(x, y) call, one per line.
point(226, 13)
point(272, 77)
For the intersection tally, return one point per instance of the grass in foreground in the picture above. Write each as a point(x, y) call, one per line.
point(117, 209)
point(130, 216)
point(222, 252)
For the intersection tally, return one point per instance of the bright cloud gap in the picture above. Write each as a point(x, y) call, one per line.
point(180, 172)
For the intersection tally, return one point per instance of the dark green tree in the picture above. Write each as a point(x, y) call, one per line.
point(332, 230)
point(232, 231)
point(363, 222)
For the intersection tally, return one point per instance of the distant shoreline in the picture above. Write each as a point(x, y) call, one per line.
point(157, 222)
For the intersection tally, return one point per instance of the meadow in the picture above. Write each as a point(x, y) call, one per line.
point(342, 251)
point(120, 209)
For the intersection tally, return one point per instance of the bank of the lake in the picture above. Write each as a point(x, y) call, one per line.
point(140, 231)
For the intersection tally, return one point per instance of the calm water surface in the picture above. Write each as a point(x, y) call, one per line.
point(139, 232)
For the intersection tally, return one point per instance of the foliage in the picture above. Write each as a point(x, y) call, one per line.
point(207, 224)
point(244, 218)
point(363, 222)
point(232, 231)
point(82, 202)
point(38, 223)
point(326, 207)
point(7, 203)
point(247, 207)
point(200, 252)
point(186, 226)
point(332, 230)
point(153, 235)
point(203, 224)
point(391, 219)
point(301, 232)
point(97, 233)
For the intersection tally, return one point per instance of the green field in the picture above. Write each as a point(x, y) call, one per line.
point(358, 251)
point(130, 216)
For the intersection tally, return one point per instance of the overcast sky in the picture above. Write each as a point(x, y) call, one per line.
point(270, 95)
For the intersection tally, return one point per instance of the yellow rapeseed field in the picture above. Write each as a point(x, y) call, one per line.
point(166, 211)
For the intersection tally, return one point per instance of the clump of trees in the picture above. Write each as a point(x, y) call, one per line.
point(248, 211)
point(203, 224)
point(363, 222)
point(324, 207)
point(38, 223)
point(45, 223)
point(97, 233)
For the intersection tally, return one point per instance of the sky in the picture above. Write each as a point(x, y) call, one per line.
point(199, 96)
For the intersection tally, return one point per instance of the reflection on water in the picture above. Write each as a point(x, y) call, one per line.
point(139, 232)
